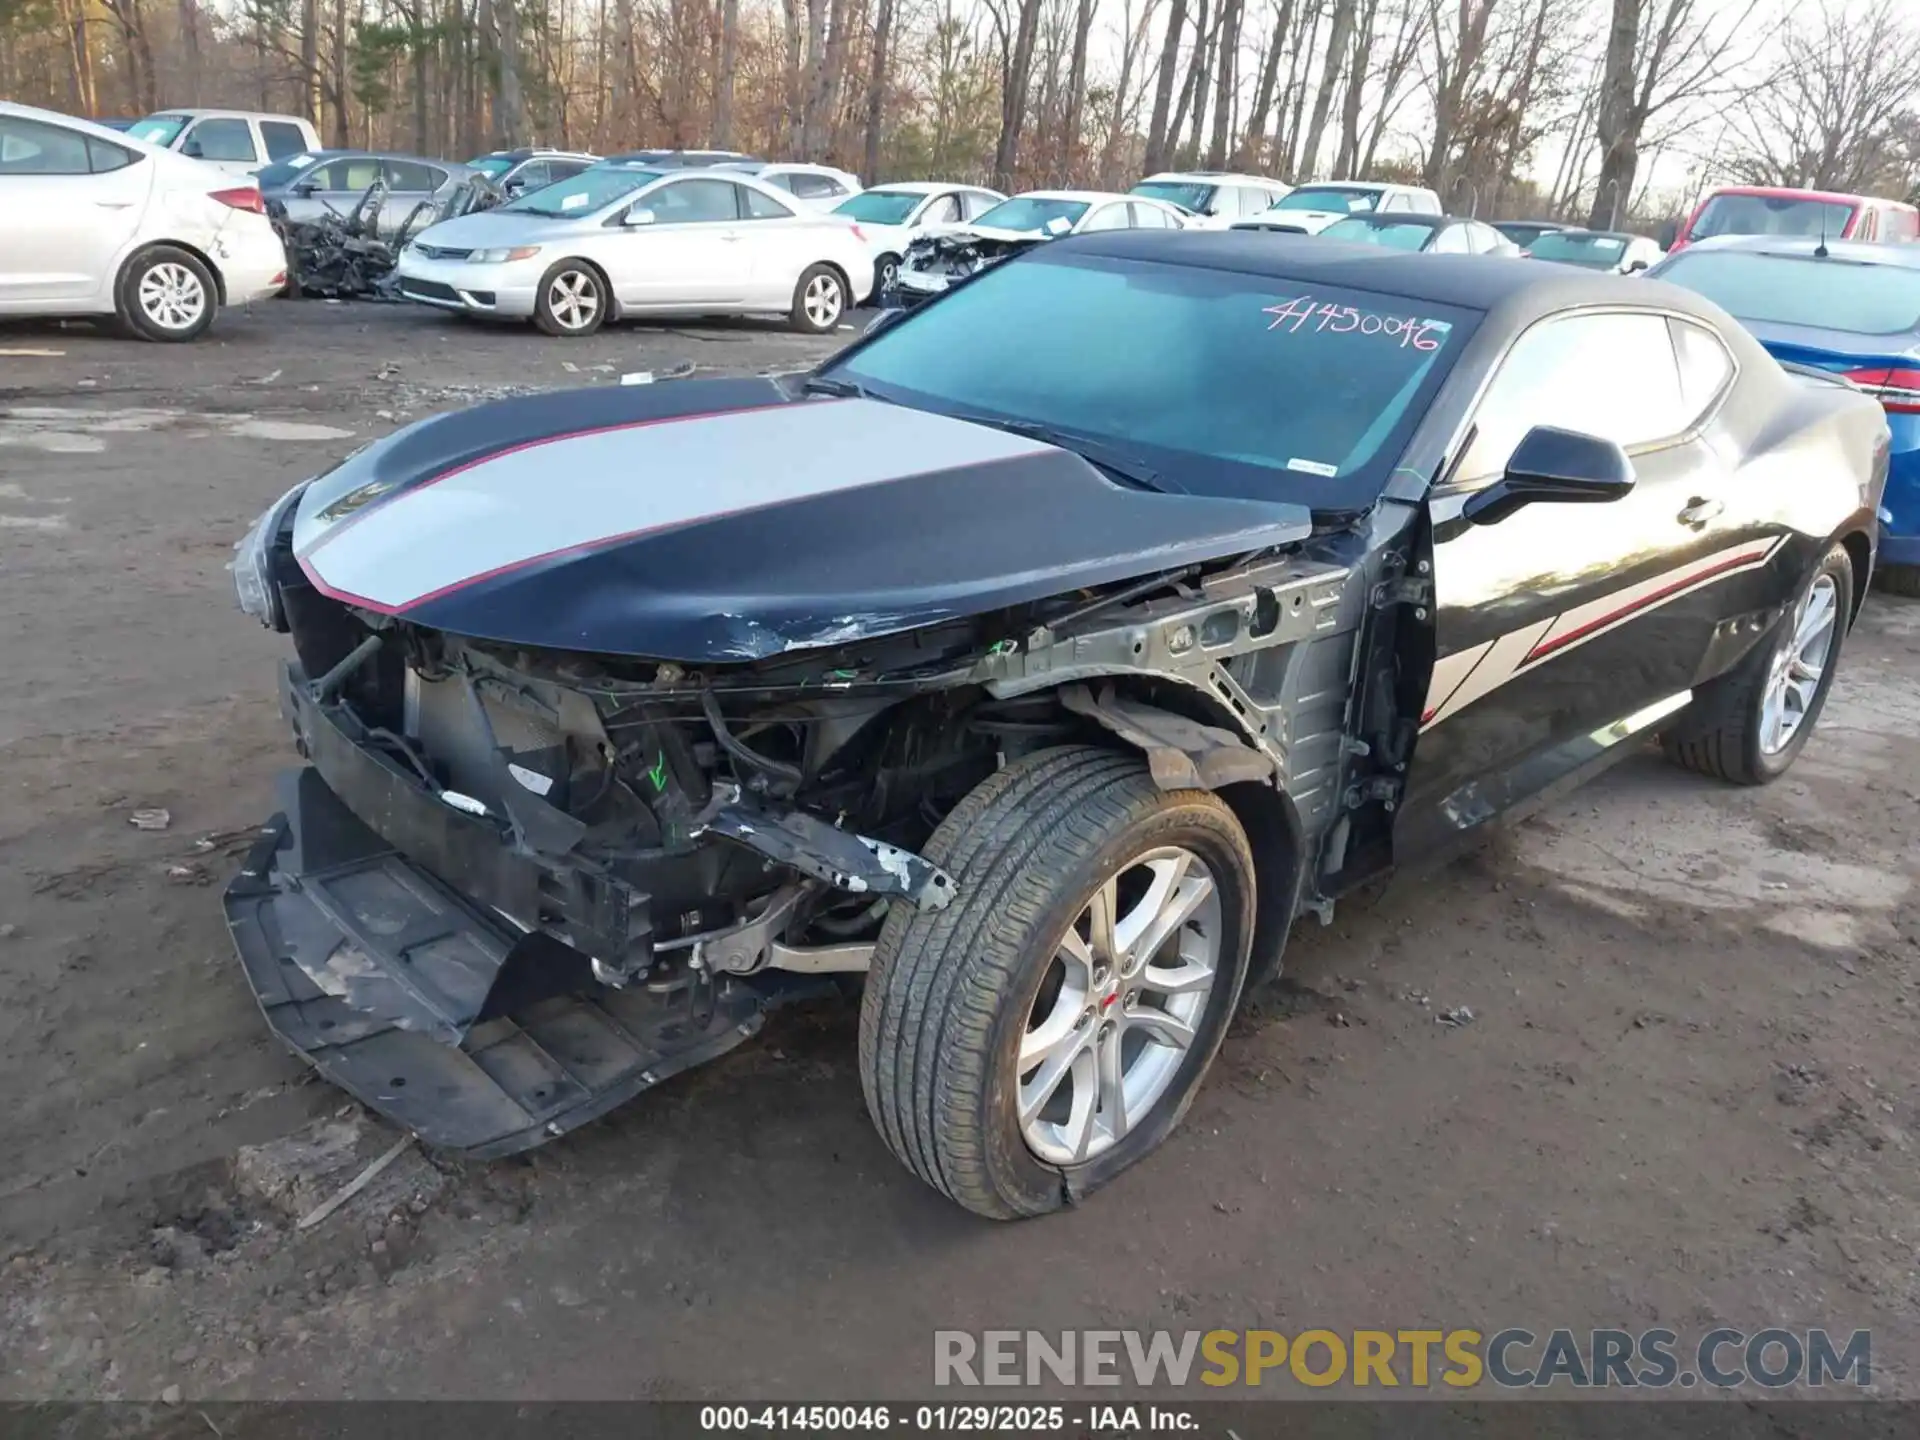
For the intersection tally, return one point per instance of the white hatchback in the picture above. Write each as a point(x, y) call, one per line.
point(95, 223)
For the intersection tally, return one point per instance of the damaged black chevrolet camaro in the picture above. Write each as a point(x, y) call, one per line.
point(1033, 664)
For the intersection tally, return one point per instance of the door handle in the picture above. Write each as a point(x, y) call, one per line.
point(114, 204)
point(1699, 512)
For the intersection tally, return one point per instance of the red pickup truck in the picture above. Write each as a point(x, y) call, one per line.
point(1771, 210)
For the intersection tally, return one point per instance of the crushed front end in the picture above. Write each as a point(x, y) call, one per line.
point(512, 889)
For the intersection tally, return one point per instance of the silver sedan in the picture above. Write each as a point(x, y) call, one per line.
point(627, 240)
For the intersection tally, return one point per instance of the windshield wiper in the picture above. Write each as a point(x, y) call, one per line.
point(840, 389)
point(1118, 464)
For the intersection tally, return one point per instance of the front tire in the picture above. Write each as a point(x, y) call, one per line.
point(167, 295)
point(1748, 725)
point(1049, 1028)
point(886, 270)
point(819, 300)
point(572, 300)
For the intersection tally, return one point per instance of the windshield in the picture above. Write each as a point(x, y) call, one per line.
point(1771, 215)
point(592, 189)
point(1030, 212)
point(159, 130)
point(1394, 234)
point(879, 207)
point(1226, 383)
point(493, 166)
point(1188, 194)
point(1352, 200)
point(1800, 290)
point(283, 172)
point(1596, 252)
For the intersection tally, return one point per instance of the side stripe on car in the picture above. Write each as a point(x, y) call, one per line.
point(1466, 675)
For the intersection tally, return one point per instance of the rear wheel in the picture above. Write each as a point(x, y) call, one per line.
point(819, 300)
point(572, 301)
point(1748, 725)
point(166, 294)
point(1049, 1027)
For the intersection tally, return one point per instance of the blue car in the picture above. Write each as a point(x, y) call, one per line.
point(1841, 306)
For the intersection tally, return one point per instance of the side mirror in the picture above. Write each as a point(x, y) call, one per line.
point(638, 215)
point(1550, 464)
point(1636, 266)
point(513, 188)
point(303, 188)
point(1669, 233)
point(192, 149)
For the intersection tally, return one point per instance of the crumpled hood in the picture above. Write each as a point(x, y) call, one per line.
point(967, 234)
point(724, 520)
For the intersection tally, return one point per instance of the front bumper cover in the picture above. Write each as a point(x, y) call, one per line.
point(324, 911)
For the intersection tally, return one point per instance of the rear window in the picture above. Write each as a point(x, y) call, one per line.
point(159, 130)
point(1187, 194)
point(1828, 294)
point(880, 207)
point(1394, 235)
point(1770, 215)
point(1225, 383)
point(1600, 252)
point(1339, 198)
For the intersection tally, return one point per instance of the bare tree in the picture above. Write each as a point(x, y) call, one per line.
point(1337, 39)
point(1834, 110)
point(1660, 54)
point(1156, 156)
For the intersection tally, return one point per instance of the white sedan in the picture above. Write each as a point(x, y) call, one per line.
point(95, 223)
point(893, 216)
point(623, 239)
point(952, 252)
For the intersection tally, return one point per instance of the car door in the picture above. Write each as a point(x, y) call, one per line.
point(409, 183)
point(226, 141)
point(70, 204)
point(335, 188)
point(694, 252)
point(1564, 628)
point(526, 177)
point(941, 209)
point(1112, 216)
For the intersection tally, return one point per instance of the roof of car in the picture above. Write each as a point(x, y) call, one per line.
point(203, 111)
point(1859, 251)
point(1789, 192)
point(1091, 197)
point(927, 187)
point(1578, 232)
point(1214, 177)
point(1478, 282)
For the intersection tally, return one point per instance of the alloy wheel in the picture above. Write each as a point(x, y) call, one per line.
point(822, 301)
point(574, 299)
point(172, 296)
point(1794, 679)
point(1119, 1006)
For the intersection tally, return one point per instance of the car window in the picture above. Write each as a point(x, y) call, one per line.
point(1230, 383)
point(760, 206)
point(1396, 205)
point(817, 187)
point(1611, 375)
point(565, 169)
point(1452, 240)
point(1484, 239)
point(1107, 217)
point(105, 155)
point(1392, 234)
point(945, 210)
point(978, 202)
point(687, 202)
point(282, 139)
point(780, 180)
point(160, 130)
point(1829, 294)
point(355, 174)
point(1771, 215)
point(594, 188)
point(1194, 195)
point(532, 175)
point(220, 139)
point(28, 147)
point(1705, 365)
point(1150, 217)
point(413, 177)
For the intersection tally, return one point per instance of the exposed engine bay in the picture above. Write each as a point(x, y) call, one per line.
point(946, 258)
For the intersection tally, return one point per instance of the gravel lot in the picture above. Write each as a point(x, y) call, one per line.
point(1687, 1096)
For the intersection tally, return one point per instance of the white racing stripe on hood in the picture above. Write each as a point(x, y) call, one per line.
point(572, 491)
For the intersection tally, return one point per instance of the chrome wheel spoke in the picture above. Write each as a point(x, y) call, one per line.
point(1793, 683)
point(1141, 955)
point(1161, 1027)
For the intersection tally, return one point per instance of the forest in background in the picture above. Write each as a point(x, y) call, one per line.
point(1553, 107)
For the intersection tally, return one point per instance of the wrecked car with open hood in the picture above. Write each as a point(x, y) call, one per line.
point(1032, 665)
point(951, 253)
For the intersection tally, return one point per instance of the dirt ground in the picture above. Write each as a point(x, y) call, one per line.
point(1687, 1095)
